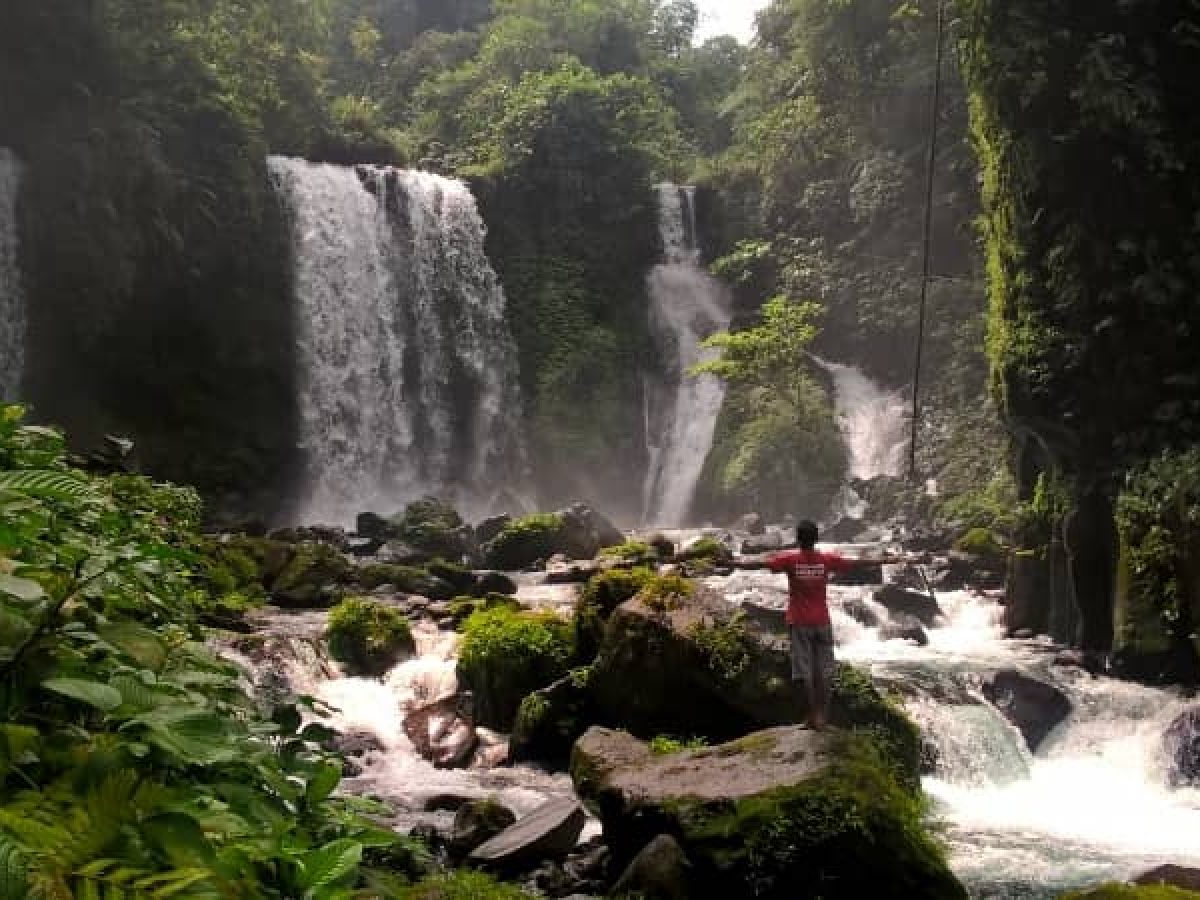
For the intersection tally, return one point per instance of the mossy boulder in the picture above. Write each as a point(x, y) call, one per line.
point(435, 529)
point(599, 599)
point(701, 669)
point(462, 608)
point(509, 654)
point(408, 579)
point(368, 637)
point(781, 813)
point(550, 720)
point(525, 541)
point(311, 577)
point(577, 532)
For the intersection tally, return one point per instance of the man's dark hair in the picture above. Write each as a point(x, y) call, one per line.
point(806, 534)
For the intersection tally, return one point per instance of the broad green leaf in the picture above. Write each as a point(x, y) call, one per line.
point(322, 784)
point(93, 693)
point(15, 630)
point(192, 735)
point(138, 642)
point(326, 865)
point(21, 588)
point(14, 876)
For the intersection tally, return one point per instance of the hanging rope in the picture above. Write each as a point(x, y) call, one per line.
point(925, 263)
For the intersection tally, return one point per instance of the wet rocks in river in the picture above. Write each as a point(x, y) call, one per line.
point(1033, 706)
point(658, 872)
point(443, 732)
point(550, 720)
point(549, 832)
point(844, 531)
point(1182, 745)
point(751, 523)
point(477, 822)
point(768, 542)
point(860, 612)
point(918, 604)
point(904, 628)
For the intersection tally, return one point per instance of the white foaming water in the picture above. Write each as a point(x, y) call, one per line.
point(396, 773)
point(687, 305)
point(408, 374)
point(874, 421)
point(1091, 805)
point(12, 307)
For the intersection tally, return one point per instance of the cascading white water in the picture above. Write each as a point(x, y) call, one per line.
point(874, 421)
point(687, 305)
point(408, 373)
point(12, 311)
point(1091, 805)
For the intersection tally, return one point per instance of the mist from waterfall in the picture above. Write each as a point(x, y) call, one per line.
point(12, 311)
point(687, 305)
point(407, 369)
point(874, 422)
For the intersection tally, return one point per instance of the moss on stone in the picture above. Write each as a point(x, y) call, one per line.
point(858, 705)
point(525, 541)
point(408, 579)
point(367, 637)
point(980, 542)
point(706, 549)
point(601, 595)
point(462, 884)
point(309, 575)
point(851, 831)
point(508, 654)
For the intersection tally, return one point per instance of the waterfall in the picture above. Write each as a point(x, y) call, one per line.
point(407, 369)
point(874, 421)
point(12, 312)
point(686, 306)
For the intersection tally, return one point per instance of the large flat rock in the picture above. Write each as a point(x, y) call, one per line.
point(549, 832)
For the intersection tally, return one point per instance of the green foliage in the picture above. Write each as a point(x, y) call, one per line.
point(1089, 336)
point(506, 655)
point(665, 745)
point(408, 579)
point(432, 527)
point(368, 637)
point(525, 541)
point(980, 541)
point(663, 593)
point(133, 764)
point(311, 577)
point(600, 597)
point(725, 647)
point(630, 551)
point(461, 885)
point(1158, 518)
point(777, 447)
point(707, 549)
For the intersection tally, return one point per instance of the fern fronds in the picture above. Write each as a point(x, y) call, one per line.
point(50, 484)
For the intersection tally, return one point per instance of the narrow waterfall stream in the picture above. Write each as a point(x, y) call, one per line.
point(687, 306)
point(874, 421)
point(1092, 804)
point(12, 310)
point(408, 372)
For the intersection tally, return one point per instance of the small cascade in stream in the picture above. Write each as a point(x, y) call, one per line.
point(287, 657)
point(874, 422)
point(687, 305)
point(408, 372)
point(1092, 804)
point(12, 312)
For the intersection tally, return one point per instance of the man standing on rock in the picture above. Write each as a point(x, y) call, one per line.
point(810, 629)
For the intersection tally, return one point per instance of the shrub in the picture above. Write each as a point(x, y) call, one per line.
point(706, 548)
point(507, 655)
point(631, 551)
point(980, 541)
point(525, 541)
point(666, 592)
point(462, 885)
point(368, 637)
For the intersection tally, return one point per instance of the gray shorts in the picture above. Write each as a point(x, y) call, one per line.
point(812, 653)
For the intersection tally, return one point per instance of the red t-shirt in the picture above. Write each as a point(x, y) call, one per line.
point(808, 574)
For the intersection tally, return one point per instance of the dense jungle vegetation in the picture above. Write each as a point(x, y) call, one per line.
point(152, 242)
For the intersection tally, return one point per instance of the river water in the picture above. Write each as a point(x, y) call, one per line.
point(1091, 805)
